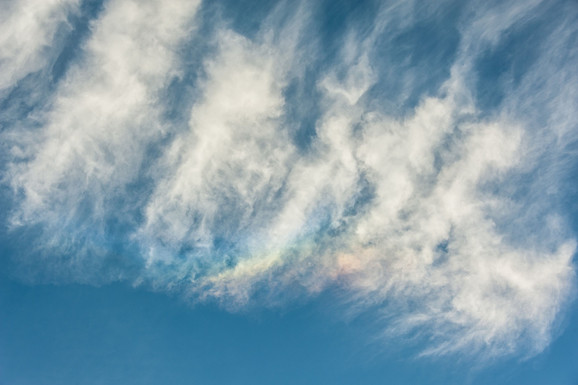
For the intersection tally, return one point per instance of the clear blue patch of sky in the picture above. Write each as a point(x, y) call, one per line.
point(74, 334)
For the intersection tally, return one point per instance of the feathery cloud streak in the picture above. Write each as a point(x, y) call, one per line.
point(292, 162)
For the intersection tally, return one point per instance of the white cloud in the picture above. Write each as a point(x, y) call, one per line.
point(430, 234)
point(222, 175)
point(27, 30)
point(415, 208)
point(102, 117)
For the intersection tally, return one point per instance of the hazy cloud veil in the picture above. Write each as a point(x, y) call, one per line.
point(414, 159)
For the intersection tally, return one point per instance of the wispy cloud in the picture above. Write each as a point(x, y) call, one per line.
point(27, 30)
point(440, 211)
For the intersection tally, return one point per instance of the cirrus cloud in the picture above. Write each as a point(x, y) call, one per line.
point(292, 167)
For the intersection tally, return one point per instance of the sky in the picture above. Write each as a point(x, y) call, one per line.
point(288, 192)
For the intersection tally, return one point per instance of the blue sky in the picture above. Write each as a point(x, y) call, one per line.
point(245, 192)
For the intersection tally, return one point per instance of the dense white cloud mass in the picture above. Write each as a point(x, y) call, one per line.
point(27, 29)
point(441, 216)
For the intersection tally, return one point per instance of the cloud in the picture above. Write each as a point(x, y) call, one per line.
point(433, 214)
point(27, 30)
